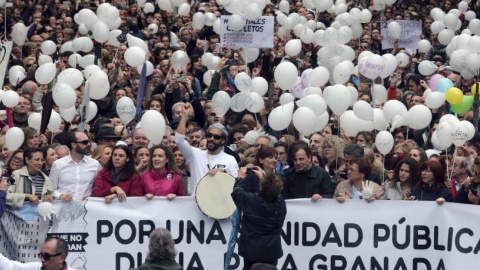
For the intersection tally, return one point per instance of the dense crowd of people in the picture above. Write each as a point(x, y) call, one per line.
point(115, 160)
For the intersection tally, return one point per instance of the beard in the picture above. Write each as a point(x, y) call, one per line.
point(212, 146)
point(83, 151)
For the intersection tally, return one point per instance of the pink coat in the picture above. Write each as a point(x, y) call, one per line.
point(162, 184)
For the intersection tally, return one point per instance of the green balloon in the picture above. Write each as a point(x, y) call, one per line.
point(463, 106)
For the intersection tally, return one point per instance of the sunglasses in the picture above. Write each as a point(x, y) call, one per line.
point(215, 136)
point(47, 256)
point(84, 142)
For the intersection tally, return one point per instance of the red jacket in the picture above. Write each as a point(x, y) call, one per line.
point(162, 184)
point(103, 183)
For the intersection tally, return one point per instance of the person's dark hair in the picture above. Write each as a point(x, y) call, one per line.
point(413, 167)
point(270, 186)
point(354, 150)
point(414, 78)
point(62, 246)
point(71, 138)
point(135, 152)
point(244, 162)
point(369, 137)
point(236, 129)
point(423, 155)
point(264, 152)
point(129, 167)
point(171, 165)
point(297, 146)
point(29, 153)
point(161, 245)
point(438, 175)
point(44, 150)
point(29, 133)
point(281, 144)
point(9, 162)
point(195, 129)
point(363, 167)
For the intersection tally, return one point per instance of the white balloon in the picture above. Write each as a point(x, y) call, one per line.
point(337, 100)
point(45, 73)
point(284, 6)
point(87, 60)
point(179, 59)
point(55, 122)
point(427, 68)
point(419, 116)
point(198, 20)
point(101, 32)
point(10, 98)
point(221, 103)
point(207, 76)
point(216, 27)
point(87, 44)
point(126, 110)
point(87, 17)
point(371, 66)
point(148, 8)
point(424, 46)
point(66, 47)
point(384, 142)
point(437, 27)
point(35, 121)
point(153, 28)
point(281, 116)
point(134, 56)
point(341, 73)
point(74, 59)
point(459, 134)
point(314, 102)
point(392, 108)
point(19, 34)
point(293, 47)
point(243, 81)
point(379, 93)
point(259, 85)
point(304, 120)
point(64, 95)
point(14, 138)
point(286, 75)
point(318, 77)
point(321, 121)
point(68, 114)
point(184, 9)
point(450, 20)
point(89, 70)
point(44, 59)
point(134, 41)
point(210, 19)
point(286, 98)
point(254, 102)
point(48, 47)
point(394, 29)
point(443, 132)
point(445, 36)
point(238, 102)
point(363, 110)
point(470, 128)
point(91, 111)
point(99, 85)
point(153, 125)
point(390, 65)
point(72, 77)
point(165, 5)
point(353, 94)
point(15, 77)
point(470, 15)
point(379, 121)
point(149, 68)
point(403, 59)
point(112, 37)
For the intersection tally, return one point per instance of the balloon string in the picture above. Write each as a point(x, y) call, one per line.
point(383, 171)
point(407, 132)
point(453, 161)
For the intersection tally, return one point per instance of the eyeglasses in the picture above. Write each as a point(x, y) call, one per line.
point(17, 159)
point(352, 170)
point(215, 136)
point(47, 256)
point(84, 142)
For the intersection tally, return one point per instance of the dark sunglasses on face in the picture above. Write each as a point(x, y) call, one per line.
point(85, 142)
point(215, 136)
point(47, 256)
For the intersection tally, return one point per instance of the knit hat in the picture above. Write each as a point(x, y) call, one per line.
point(220, 128)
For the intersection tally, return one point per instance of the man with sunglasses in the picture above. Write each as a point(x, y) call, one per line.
point(73, 175)
point(203, 162)
point(53, 254)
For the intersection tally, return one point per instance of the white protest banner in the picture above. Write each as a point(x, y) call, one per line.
point(255, 34)
point(5, 51)
point(409, 36)
point(322, 235)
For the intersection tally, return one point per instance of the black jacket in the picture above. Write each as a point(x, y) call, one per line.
point(159, 265)
point(261, 225)
point(427, 193)
point(315, 180)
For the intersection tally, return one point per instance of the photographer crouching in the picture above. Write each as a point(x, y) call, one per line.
point(258, 195)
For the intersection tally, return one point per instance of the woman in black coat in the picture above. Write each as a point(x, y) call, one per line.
point(263, 216)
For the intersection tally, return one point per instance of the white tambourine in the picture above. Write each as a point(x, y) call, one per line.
point(213, 196)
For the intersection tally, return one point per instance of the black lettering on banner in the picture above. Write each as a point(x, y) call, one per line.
point(289, 263)
point(332, 236)
point(436, 238)
point(125, 255)
point(316, 232)
point(477, 248)
point(450, 239)
point(400, 265)
point(457, 240)
point(181, 225)
point(346, 230)
point(396, 234)
point(129, 240)
point(216, 233)
point(287, 236)
point(76, 241)
point(341, 259)
point(425, 262)
point(296, 231)
point(376, 234)
point(375, 265)
point(315, 259)
point(358, 264)
point(100, 233)
point(195, 263)
point(235, 259)
point(142, 232)
point(441, 265)
point(200, 235)
point(418, 236)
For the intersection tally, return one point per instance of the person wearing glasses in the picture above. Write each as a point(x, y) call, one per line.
point(30, 184)
point(53, 256)
point(203, 162)
point(470, 189)
point(14, 163)
point(73, 175)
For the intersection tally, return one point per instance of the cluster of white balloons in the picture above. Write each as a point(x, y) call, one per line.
point(100, 24)
point(451, 130)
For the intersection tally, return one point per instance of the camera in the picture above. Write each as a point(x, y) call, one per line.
point(179, 77)
point(11, 180)
point(343, 174)
point(249, 170)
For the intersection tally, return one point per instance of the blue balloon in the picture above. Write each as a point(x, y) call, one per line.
point(444, 84)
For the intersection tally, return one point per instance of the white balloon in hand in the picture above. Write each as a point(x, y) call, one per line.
point(45, 209)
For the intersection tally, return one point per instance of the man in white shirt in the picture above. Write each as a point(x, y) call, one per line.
point(203, 162)
point(53, 254)
point(73, 175)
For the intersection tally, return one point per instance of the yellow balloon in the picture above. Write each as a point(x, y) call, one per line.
point(474, 88)
point(454, 95)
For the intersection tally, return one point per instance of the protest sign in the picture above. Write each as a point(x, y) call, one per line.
point(255, 34)
point(322, 235)
point(409, 36)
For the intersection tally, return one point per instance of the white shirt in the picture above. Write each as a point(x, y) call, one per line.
point(199, 164)
point(7, 264)
point(77, 179)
